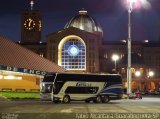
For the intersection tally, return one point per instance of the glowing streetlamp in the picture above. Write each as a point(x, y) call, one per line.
point(115, 57)
point(137, 73)
point(151, 74)
point(131, 4)
point(32, 4)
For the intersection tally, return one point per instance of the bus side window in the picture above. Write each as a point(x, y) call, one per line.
point(81, 90)
point(93, 90)
point(57, 87)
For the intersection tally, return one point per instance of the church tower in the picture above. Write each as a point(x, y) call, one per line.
point(31, 24)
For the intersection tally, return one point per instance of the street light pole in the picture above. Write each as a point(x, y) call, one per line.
point(150, 74)
point(138, 74)
point(115, 57)
point(129, 75)
point(115, 66)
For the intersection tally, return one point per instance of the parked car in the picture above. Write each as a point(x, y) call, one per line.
point(136, 95)
point(156, 92)
point(144, 92)
point(151, 92)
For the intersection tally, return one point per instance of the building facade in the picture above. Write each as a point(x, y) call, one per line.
point(76, 47)
point(145, 59)
point(31, 24)
point(31, 27)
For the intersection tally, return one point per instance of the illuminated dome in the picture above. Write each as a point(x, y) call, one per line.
point(84, 22)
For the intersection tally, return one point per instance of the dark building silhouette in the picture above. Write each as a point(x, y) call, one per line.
point(31, 27)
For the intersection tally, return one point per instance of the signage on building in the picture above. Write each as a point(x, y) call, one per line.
point(22, 70)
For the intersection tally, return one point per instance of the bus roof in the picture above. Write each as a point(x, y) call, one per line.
point(88, 77)
point(67, 76)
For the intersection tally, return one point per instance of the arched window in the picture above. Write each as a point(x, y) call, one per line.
point(73, 55)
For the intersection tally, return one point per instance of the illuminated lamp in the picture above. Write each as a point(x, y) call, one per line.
point(73, 50)
point(137, 73)
point(1, 77)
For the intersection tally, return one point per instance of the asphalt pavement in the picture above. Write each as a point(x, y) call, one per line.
point(147, 105)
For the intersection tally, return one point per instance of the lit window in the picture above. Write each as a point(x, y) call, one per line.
point(142, 70)
point(139, 54)
point(9, 77)
point(122, 55)
point(73, 55)
point(1, 77)
point(105, 56)
point(73, 50)
point(133, 70)
point(41, 55)
point(123, 71)
point(12, 78)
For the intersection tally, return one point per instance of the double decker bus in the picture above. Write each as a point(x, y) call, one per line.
point(66, 87)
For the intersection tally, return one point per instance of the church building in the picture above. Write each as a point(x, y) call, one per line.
point(76, 47)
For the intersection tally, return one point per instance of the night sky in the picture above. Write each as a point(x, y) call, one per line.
point(111, 14)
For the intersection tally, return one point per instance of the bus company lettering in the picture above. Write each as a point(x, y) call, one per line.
point(83, 84)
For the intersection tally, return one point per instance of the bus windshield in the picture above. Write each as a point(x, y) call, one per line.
point(47, 83)
point(46, 88)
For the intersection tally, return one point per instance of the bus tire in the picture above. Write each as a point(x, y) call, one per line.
point(105, 99)
point(66, 99)
point(99, 99)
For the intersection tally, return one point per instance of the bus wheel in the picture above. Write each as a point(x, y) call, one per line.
point(98, 99)
point(66, 99)
point(105, 99)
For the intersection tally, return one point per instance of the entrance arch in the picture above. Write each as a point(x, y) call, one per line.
point(72, 53)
